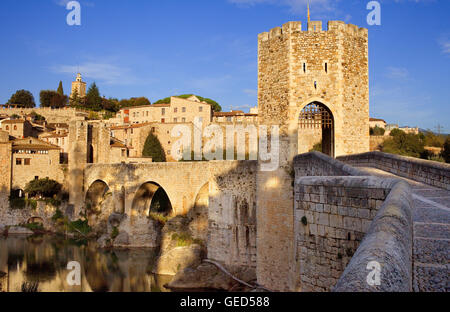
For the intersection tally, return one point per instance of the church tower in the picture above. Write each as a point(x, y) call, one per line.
point(79, 86)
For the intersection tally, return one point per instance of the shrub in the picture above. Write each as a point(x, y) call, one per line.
point(43, 187)
point(377, 131)
point(80, 227)
point(446, 151)
point(115, 232)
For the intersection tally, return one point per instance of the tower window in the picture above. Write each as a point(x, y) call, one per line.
point(326, 67)
point(315, 84)
point(304, 67)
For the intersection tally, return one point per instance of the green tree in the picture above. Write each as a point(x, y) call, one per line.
point(405, 144)
point(93, 98)
point(110, 105)
point(50, 98)
point(446, 151)
point(153, 149)
point(23, 98)
point(377, 131)
point(43, 187)
point(214, 105)
point(141, 101)
point(60, 89)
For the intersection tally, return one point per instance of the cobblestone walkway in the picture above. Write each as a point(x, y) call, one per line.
point(431, 217)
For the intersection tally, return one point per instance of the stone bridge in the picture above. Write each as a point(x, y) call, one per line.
point(223, 191)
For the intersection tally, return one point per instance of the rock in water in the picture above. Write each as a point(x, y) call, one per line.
point(208, 277)
point(178, 259)
point(121, 240)
point(104, 241)
point(18, 230)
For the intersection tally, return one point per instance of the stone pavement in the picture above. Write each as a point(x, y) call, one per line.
point(431, 218)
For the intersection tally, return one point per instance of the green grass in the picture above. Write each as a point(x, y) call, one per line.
point(185, 239)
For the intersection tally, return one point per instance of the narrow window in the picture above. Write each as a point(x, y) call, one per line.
point(200, 109)
point(326, 68)
point(184, 109)
point(163, 111)
point(304, 67)
point(315, 84)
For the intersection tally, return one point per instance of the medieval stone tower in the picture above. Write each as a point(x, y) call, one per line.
point(314, 84)
point(79, 87)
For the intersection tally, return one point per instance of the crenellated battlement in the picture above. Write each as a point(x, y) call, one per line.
point(313, 27)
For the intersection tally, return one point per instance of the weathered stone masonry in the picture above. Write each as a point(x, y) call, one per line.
point(297, 68)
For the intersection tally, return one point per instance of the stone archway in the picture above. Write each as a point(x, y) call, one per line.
point(99, 205)
point(150, 208)
point(316, 129)
point(150, 197)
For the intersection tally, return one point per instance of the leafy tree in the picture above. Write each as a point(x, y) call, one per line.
point(140, 101)
point(93, 98)
point(23, 98)
point(50, 98)
point(434, 140)
point(153, 149)
point(446, 151)
point(60, 89)
point(37, 117)
point(124, 103)
point(377, 131)
point(43, 187)
point(214, 105)
point(110, 105)
point(76, 101)
point(405, 144)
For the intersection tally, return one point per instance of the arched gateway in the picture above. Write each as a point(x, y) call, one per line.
point(316, 129)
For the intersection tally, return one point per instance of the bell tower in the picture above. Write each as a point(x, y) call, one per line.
point(78, 87)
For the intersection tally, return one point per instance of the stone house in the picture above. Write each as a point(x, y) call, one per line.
point(375, 122)
point(17, 128)
point(34, 159)
point(177, 111)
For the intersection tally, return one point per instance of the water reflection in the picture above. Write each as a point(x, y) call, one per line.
point(42, 261)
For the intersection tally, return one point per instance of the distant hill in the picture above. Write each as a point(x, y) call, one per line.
point(426, 131)
point(214, 105)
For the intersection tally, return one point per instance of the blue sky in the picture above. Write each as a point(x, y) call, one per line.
point(209, 47)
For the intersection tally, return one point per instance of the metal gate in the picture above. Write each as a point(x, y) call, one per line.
point(318, 116)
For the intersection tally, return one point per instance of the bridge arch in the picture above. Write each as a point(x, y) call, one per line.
point(150, 197)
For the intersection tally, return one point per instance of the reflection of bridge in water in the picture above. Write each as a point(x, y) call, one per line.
point(43, 262)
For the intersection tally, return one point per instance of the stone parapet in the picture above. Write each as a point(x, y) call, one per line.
point(388, 242)
point(425, 171)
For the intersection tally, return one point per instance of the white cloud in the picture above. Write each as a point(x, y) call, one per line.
point(398, 73)
point(107, 73)
point(250, 92)
point(445, 45)
point(296, 6)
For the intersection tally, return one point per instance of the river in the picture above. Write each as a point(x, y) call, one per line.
point(39, 263)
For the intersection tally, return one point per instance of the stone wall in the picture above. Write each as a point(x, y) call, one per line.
point(5, 168)
point(232, 213)
point(389, 242)
point(51, 115)
point(332, 215)
point(318, 164)
point(425, 171)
